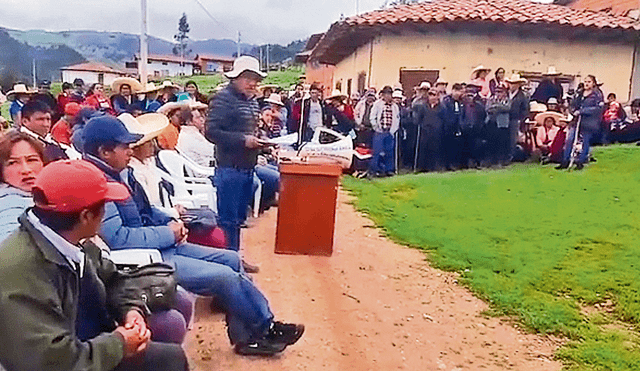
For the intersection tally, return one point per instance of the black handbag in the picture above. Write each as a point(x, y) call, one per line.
point(154, 284)
point(200, 220)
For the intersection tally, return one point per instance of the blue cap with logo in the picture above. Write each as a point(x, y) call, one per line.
point(107, 130)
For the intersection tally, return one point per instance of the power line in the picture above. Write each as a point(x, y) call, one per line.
point(211, 16)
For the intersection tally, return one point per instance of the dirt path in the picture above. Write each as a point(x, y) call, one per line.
point(373, 305)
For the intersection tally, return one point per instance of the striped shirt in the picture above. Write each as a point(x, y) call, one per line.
point(387, 117)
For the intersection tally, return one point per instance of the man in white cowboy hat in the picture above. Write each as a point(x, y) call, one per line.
point(385, 120)
point(340, 114)
point(441, 87)
point(150, 102)
point(279, 113)
point(18, 96)
point(231, 126)
point(266, 91)
point(519, 108)
point(549, 87)
point(168, 92)
point(125, 89)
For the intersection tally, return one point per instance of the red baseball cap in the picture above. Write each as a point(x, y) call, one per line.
point(73, 185)
point(72, 108)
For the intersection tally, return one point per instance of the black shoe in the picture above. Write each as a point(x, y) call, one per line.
point(390, 173)
point(250, 268)
point(563, 165)
point(579, 166)
point(288, 333)
point(262, 347)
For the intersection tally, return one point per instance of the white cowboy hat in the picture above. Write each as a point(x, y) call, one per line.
point(441, 81)
point(516, 79)
point(275, 99)
point(245, 63)
point(170, 106)
point(556, 116)
point(19, 89)
point(553, 100)
point(425, 85)
point(551, 71)
point(475, 71)
point(195, 105)
point(149, 125)
point(336, 94)
point(537, 107)
point(151, 87)
point(397, 94)
point(133, 83)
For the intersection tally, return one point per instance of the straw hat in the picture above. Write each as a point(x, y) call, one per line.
point(275, 99)
point(133, 83)
point(537, 107)
point(397, 94)
point(336, 94)
point(171, 106)
point(151, 87)
point(551, 71)
point(149, 125)
point(195, 105)
point(267, 86)
point(516, 79)
point(19, 89)
point(477, 70)
point(245, 63)
point(169, 84)
point(556, 116)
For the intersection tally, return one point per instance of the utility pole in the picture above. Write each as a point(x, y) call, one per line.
point(35, 84)
point(144, 48)
point(268, 50)
point(261, 61)
point(238, 52)
point(357, 7)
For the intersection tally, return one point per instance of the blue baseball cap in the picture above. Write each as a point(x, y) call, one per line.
point(107, 130)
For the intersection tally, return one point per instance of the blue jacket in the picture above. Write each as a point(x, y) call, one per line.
point(590, 110)
point(123, 226)
point(13, 202)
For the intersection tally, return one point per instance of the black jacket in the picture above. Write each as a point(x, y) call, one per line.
point(519, 109)
point(451, 113)
point(232, 116)
point(304, 133)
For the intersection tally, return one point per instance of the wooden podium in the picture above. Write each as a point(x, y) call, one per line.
point(307, 208)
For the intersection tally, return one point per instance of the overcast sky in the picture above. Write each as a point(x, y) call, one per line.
point(259, 21)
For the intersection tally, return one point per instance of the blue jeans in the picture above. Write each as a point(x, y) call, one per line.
point(586, 144)
point(383, 160)
point(215, 272)
point(234, 190)
point(269, 175)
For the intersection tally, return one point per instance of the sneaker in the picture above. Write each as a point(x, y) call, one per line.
point(249, 268)
point(261, 347)
point(563, 165)
point(287, 333)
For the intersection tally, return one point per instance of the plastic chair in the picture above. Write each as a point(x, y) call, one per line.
point(187, 191)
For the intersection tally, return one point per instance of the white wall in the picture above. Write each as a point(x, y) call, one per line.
point(87, 77)
point(162, 69)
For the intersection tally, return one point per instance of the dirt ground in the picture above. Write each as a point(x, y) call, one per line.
point(373, 305)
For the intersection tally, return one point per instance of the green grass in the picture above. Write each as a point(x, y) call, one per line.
point(206, 83)
point(537, 244)
point(284, 79)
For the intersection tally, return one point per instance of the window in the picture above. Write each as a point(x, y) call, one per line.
point(101, 78)
point(131, 65)
point(165, 63)
point(349, 87)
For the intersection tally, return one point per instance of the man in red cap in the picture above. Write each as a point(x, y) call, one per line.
point(54, 313)
point(61, 131)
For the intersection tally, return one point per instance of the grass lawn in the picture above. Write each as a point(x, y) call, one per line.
point(559, 251)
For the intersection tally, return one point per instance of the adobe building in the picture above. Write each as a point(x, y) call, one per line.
point(448, 38)
point(91, 73)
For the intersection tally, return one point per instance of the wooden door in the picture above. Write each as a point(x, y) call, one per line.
point(410, 78)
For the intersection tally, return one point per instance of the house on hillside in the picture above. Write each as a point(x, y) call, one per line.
point(159, 66)
point(316, 72)
point(209, 64)
point(629, 8)
point(91, 73)
point(448, 38)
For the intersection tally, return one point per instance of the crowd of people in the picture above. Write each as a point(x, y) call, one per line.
point(78, 182)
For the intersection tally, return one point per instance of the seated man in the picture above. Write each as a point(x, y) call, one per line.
point(36, 121)
point(199, 269)
point(60, 318)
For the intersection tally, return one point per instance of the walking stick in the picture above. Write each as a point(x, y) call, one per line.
point(415, 156)
point(574, 148)
point(397, 150)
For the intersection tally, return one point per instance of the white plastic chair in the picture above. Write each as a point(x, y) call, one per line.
point(188, 191)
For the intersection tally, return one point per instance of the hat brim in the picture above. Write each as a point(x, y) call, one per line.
point(235, 73)
point(541, 117)
point(116, 192)
point(13, 94)
point(274, 102)
point(129, 138)
point(135, 85)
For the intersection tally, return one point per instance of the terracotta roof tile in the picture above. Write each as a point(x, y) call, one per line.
point(617, 7)
point(93, 67)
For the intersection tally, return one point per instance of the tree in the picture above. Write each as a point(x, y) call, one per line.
point(182, 37)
